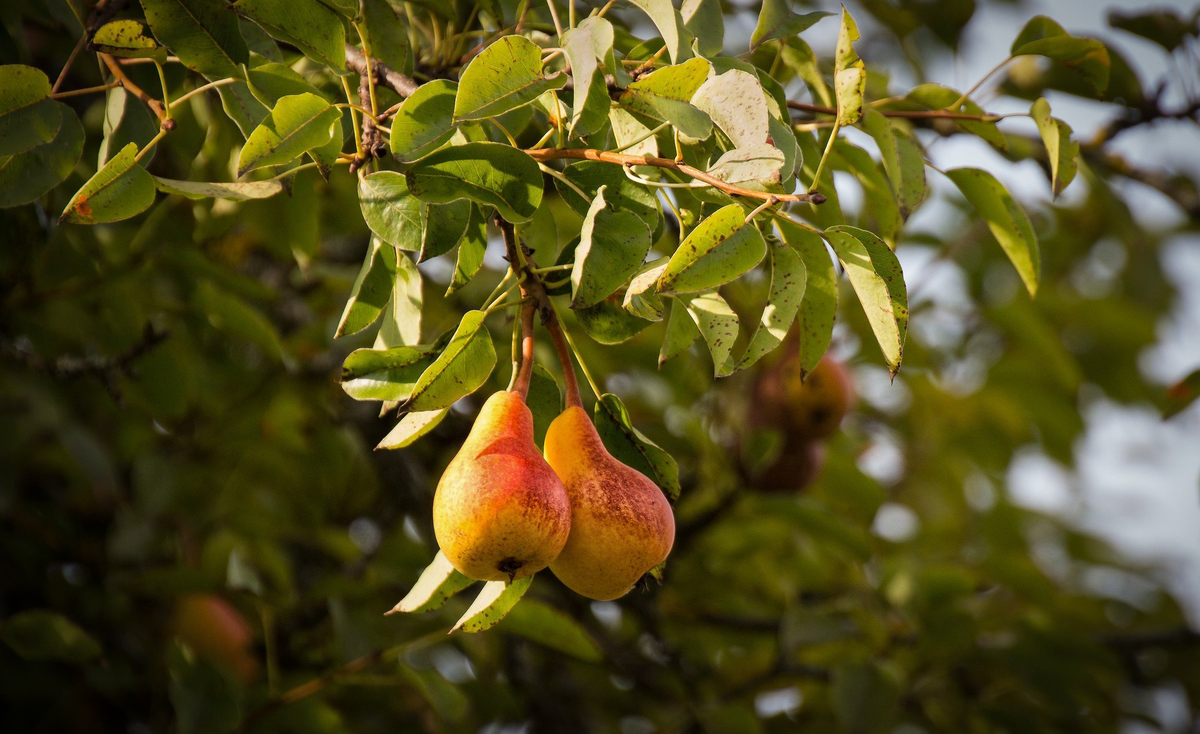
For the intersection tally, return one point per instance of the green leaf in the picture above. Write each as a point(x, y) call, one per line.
point(1061, 150)
point(241, 191)
point(1163, 26)
point(937, 97)
point(761, 162)
point(270, 82)
point(1042, 36)
point(878, 281)
point(880, 205)
point(401, 324)
point(385, 374)
point(306, 24)
point(718, 324)
point(717, 250)
point(411, 428)
point(585, 46)
point(863, 697)
point(444, 226)
point(545, 401)
point(120, 190)
point(548, 626)
point(788, 278)
point(1182, 394)
point(819, 305)
point(665, 94)
point(127, 39)
point(438, 582)
point(612, 246)
point(26, 176)
point(386, 35)
point(391, 212)
point(297, 123)
point(204, 34)
point(902, 160)
point(495, 601)
point(629, 446)
point(849, 74)
point(504, 76)
point(28, 117)
point(776, 20)
point(471, 250)
point(424, 121)
point(620, 192)
point(486, 173)
point(735, 103)
point(608, 323)
point(799, 57)
point(459, 370)
point(681, 333)
point(228, 313)
point(242, 106)
point(372, 289)
point(39, 634)
point(640, 298)
point(1005, 218)
point(705, 21)
point(675, 35)
point(126, 120)
point(631, 136)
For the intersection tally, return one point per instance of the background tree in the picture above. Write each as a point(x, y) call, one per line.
point(198, 537)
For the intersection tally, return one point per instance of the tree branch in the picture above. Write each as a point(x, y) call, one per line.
point(384, 74)
point(908, 114)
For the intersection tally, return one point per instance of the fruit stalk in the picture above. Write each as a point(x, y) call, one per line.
point(525, 372)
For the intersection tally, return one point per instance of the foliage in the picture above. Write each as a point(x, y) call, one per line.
point(184, 220)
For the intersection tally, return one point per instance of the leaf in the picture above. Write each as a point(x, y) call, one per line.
point(238, 191)
point(297, 123)
point(629, 446)
point(819, 305)
point(849, 74)
point(242, 106)
point(486, 173)
point(270, 82)
point(798, 56)
point(718, 325)
point(424, 121)
point(504, 76)
point(495, 601)
point(735, 102)
point(545, 401)
point(385, 374)
point(1163, 26)
point(902, 161)
point(1005, 218)
point(878, 281)
point(471, 250)
point(390, 211)
point(26, 176)
point(612, 246)
point(631, 136)
point(937, 97)
point(1042, 36)
point(863, 696)
point(459, 370)
point(665, 94)
point(761, 162)
point(228, 313)
point(120, 190)
point(788, 277)
point(306, 24)
point(776, 20)
point(1060, 148)
point(401, 324)
point(372, 289)
point(386, 35)
point(640, 298)
point(548, 626)
point(608, 323)
point(438, 582)
point(585, 46)
point(40, 634)
point(675, 35)
point(681, 333)
point(620, 192)
point(717, 250)
point(28, 117)
point(1182, 394)
point(412, 427)
point(126, 120)
point(444, 226)
point(705, 21)
point(127, 39)
point(204, 34)
point(880, 203)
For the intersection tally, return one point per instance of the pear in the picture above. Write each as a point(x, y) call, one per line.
point(500, 512)
point(621, 524)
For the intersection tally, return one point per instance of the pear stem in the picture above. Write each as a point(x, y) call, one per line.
point(525, 374)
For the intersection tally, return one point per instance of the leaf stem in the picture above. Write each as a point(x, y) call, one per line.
point(825, 156)
point(150, 144)
point(554, 14)
point(205, 88)
point(85, 90)
point(552, 268)
point(162, 80)
point(649, 134)
point(358, 145)
point(967, 94)
point(555, 174)
point(759, 210)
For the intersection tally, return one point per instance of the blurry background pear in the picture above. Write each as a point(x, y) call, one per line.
point(500, 512)
point(621, 523)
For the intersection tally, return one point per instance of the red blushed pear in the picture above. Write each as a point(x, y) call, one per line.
point(621, 524)
point(500, 512)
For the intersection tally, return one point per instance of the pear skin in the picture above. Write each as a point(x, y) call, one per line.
point(621, 524)
point(500, 512)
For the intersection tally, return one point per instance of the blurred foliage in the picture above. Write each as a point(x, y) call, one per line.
point(197, 536)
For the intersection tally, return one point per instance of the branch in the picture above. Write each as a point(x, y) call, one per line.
point(908, 114)
point(106, 369)
point(384, 74)
point(622, 159)
point(155, 106)
point(372, 139)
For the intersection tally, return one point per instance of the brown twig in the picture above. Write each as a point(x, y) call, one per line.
point(372, 139)
point(155, 106)
point(105, 369)
point(622, 159)
point(384, 74)
point(908, 114)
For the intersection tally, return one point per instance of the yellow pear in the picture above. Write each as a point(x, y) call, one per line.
point(621, 524)
point(500, 511)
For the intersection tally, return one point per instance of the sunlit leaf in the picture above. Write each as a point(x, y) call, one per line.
point(504, 76)
point(471, 250)
point(717, 251)
point(735, 102)
point(486, 173)
point(371, 291)
point(1060, 148)
point(202, 33)
point(296, 123)
point(665, 94)
point(776, 20)
point(613, 244)
point(718, 324)
point(424, 121)
point(632, 448)
point(938, 97)
point(494, 602)
point(306, 24)
point(704, 20)
point(902, 161)
point(666, 18)
point(1005, 218)
point(875, 273)
point(849, 73)
point(438, 582)
point(411, 428)
point(119, 190)
point(385, 374)
point(459, 370)
point(783, 303)
point(237, 191)
point(819, 305)
point(401, 325)
point(127, 39)
point(760, 162)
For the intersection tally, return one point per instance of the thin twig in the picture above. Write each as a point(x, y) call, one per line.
point(155, 106)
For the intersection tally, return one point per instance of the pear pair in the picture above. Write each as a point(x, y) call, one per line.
point(502, 511)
